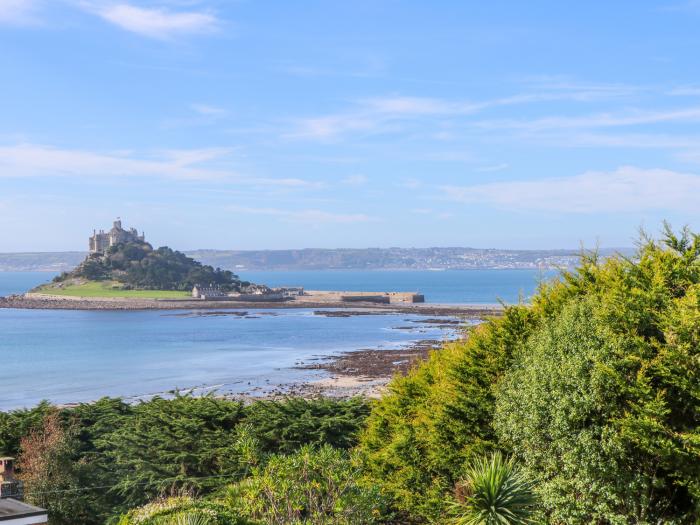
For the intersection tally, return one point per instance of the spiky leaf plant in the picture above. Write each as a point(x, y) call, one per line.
point(494, 491)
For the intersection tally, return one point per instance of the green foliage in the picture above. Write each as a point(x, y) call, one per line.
point(137, 265)
point(603, 405)
point(283, 426)
point(166, 445)
point(309, 487)
point(114, 456)
point(19, 423)
point(494, 491)
point(181, 511)
point(420, 434)
point(595, 389)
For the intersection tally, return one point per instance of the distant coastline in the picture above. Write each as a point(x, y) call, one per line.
point(335, 259)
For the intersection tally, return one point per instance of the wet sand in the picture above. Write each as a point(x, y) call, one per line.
point(357, 373)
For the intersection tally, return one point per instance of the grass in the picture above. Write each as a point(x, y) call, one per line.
point(109, 289)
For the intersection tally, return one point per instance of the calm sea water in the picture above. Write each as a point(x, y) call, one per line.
point(72, 356)
point(449, 286)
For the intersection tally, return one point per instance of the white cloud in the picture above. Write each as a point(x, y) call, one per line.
point(600, 120)
point(685, 91)
point(32, 160)
point(208, 110)
point(355, 180)
point(36, 160)
point(158, 23)
point(18, 12)
point(627, 189)
point(306, 216)
point(374, 115)
point(493, 167)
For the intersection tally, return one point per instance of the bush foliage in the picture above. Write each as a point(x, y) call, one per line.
point(595, 389)
point(110, 456)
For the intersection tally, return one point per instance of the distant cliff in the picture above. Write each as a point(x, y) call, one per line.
point(344, 259)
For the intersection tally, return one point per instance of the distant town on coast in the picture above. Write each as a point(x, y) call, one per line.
point(455, 258)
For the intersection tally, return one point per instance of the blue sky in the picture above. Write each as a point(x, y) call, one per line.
point(277, 124)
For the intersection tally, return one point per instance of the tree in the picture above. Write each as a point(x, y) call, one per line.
point(284, 426)
point(165, 445)
point(594, 388)
point(48, 472)
point(420, 434)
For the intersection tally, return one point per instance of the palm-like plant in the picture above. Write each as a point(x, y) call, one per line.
point(495, 491)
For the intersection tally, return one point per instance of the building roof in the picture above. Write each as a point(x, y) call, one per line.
point(11, 509)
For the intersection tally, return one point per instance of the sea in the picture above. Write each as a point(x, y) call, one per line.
point(67, 356)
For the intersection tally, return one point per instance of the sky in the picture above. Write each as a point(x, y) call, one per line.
point(254, 124)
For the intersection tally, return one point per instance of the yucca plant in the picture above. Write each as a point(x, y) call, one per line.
point(494, 491)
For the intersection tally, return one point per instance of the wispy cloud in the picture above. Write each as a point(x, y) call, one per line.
point(36, 160)
point(493, 167)
point(18, 12)
point(311, 216)
point(32, 160)
point(159, 23)
point(685, 91)
point(598, 120)
point(208, 110)
point(355, 180)
point(380, 114)
point(627, 189)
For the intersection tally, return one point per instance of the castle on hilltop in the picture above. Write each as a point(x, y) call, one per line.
point(101, 241)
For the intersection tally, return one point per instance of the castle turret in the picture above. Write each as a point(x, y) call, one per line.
point(99, 242)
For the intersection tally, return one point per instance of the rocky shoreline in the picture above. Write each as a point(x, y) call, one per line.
point(364, 373)
point(36, 302)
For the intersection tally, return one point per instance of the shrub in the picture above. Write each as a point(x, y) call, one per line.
point(595, 389)
point(312, 486)
point(421, 433)
point(181, 511)
point(603, 404)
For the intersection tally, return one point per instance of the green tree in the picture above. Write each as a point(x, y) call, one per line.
point(595, 388)
point(284, 426)
point(166, 445)
point(421, 433)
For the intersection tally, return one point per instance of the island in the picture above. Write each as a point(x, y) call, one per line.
point(123, 271)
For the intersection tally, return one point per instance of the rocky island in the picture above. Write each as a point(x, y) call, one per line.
point(122, 271)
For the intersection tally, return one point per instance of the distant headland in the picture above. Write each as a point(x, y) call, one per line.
point(337, 259)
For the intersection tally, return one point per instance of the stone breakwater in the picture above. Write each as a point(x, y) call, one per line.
point(37, 301)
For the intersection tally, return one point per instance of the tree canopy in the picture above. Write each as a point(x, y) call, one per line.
point(594, 389)
point(138, 266)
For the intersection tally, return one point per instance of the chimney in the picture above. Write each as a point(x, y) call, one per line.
point(9, 486)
